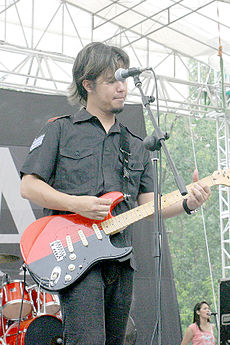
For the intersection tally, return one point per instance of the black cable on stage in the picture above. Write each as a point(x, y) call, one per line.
point(20, 313)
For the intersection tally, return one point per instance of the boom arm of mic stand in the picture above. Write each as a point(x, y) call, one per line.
point(160, 136)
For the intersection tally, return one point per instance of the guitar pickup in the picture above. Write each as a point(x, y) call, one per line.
point(83, 238)
point(97, 231)
point(69, 244)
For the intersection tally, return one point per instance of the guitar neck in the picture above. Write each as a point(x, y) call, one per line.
point(120, 222)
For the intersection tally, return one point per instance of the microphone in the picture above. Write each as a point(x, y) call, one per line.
point(121, 74)
point(212, 313)
point(151, 142)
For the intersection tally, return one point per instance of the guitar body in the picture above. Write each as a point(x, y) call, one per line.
point(58, 250)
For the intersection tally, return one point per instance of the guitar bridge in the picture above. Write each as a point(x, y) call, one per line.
point(58, 250)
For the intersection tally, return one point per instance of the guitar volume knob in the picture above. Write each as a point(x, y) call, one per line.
point(68, 278)
point(72, 256)
point(71, 267)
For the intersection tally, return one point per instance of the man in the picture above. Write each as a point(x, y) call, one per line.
point(75, 160)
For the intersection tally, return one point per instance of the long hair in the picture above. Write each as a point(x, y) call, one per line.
point(93, 60)
point(196, 317)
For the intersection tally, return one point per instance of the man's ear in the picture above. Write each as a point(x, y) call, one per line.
point(87, 84)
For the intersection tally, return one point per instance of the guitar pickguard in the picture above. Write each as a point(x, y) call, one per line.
point(74, 264)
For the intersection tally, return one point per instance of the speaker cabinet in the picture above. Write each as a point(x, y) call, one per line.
point(224, 311)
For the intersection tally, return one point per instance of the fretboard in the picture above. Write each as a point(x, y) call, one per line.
point(120, 222)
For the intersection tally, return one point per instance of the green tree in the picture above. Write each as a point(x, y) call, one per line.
point(186, 233)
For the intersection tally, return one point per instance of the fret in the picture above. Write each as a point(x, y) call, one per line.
point(139, 213)
point(133, 215)
point(124, 220)
point(208, 180)
point(120, 221)
point(112, 223)
point(126, 217)
point(149, 208)
point(172, 197)
point(164, 202)
point(105, 227)
point(211, 180)
point(144, 211)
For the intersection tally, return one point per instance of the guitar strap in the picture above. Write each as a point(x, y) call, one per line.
point(125, 150)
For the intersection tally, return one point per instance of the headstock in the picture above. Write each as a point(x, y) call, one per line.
point(221, 177)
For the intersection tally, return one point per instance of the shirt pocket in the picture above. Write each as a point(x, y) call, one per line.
point(77, 169)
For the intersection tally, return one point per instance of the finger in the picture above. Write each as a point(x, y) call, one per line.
point(103, 201)
point(204, 190)
point(103, 207)
point(207, 191)
point(198, 194)
point(101, 215)
point(195, 175)
point(194, 202)
point(197, 198)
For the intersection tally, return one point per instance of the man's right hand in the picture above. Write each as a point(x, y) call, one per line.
point(91, 206)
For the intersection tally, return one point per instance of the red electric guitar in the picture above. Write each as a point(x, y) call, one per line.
point(58, 250)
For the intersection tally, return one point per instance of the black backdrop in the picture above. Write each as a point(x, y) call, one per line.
point(21, 116)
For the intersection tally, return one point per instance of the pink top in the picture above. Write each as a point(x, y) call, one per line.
point(200, 337)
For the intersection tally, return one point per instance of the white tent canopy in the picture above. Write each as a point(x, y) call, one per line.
point(191, 28)
point(39, 39)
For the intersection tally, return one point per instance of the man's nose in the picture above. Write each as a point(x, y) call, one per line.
point(121, 85)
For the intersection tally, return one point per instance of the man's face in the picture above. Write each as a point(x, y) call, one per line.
point(108, 95)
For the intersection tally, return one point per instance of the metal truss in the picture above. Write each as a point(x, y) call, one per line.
point(29, 67)
point(34, 73)
point(223, 149)
point(28, 63)
point(182, 97)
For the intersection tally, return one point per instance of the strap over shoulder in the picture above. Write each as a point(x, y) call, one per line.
point(58, 117)
point(125, 150)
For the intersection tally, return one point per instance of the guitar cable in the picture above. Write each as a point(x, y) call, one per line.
point(21, 306)
point(40, 281)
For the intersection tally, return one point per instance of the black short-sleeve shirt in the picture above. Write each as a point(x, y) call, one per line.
point(75, 155)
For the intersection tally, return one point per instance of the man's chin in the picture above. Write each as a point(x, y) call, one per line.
point(117, 110)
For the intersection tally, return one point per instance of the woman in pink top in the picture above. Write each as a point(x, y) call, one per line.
point(200, 332)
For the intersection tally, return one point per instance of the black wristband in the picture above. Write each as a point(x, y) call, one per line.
point(187, 210)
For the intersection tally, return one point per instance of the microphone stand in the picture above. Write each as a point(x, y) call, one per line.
point(216, 321)
point(154, 143)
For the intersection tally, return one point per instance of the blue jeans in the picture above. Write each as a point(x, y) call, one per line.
point(95, 310)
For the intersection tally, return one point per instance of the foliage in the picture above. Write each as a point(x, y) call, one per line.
point(186, 233)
